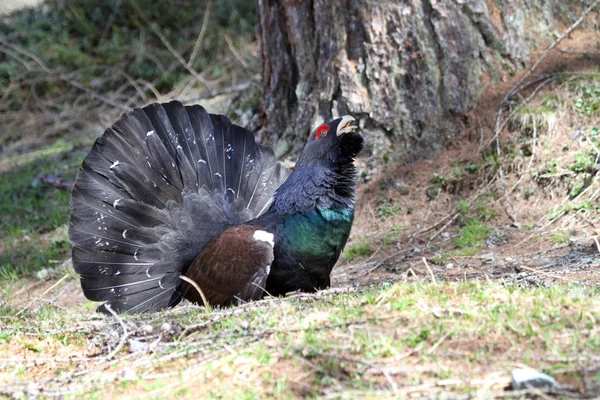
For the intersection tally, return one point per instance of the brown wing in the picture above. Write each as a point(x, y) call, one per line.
point(234, 265)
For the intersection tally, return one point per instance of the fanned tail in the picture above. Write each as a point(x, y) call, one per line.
point(154, 189)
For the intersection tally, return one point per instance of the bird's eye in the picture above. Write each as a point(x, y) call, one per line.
point(322, 131)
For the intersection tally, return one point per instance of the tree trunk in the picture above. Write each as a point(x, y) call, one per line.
point(409, 70)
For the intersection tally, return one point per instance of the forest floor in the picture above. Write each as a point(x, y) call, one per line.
point(460, 269)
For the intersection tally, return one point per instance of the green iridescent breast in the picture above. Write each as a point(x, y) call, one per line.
point(318, 235)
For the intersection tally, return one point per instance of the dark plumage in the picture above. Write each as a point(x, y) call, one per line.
point(170, 190)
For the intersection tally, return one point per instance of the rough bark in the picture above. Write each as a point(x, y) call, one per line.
point(409, 70)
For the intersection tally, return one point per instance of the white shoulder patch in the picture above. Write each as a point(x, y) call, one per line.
point(264, 236)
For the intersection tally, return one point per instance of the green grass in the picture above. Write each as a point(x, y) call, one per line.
point(118, 47)
point(387, 209)
point(584, 161)
point(34, 214)
point(359, 249)
point(471, 237)
point(313, 346)
point(560, 237)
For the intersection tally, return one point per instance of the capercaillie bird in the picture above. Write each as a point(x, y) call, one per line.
point(171, 190)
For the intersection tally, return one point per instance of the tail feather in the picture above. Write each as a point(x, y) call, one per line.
point(154, 189)
point(216, 139)
point(186, 136)
point(207, 157)
point(88, 237)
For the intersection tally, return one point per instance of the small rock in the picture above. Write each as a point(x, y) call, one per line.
point(449, 265)
point(496, 238)
point(147, 329)
point(488, 258)
point(244, 324)
point(33, 390)
point(46, 274)
point(521, 378)
point(445, 235)
point(577, 133)
point(97, 326)
point(137, 346)
point(508, 259)
point(166, 327)
point(416, 250)
point(128, 374)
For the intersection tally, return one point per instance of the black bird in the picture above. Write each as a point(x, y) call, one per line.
point(171, 194)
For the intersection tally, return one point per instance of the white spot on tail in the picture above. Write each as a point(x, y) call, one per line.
point(218, 174)
point(150, 133)
point(264, 236)
point(179, 147)
point(114, 164)
point(202, 161)
point(125, 234)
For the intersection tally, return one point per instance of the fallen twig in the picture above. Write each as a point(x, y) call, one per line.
point(430, 271)
point(124, 336)
point(42, 295)
point(537, 271)
point(195, 285)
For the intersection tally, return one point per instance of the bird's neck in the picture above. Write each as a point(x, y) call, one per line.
point(308, 187)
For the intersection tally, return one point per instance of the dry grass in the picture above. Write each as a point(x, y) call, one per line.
point(456, 339)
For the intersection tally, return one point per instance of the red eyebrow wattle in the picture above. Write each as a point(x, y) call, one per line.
point(320, 130)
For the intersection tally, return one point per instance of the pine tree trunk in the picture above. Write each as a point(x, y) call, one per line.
point(409, 70)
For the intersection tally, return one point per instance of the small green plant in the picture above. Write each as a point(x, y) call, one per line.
point(439, 179)
point(550, 168)
point(560, 237)
point(490, 160)
point(472, 237)
point(396, 230)
point(472, 168)
point(584, 161)
point(387, 210)
point(463, 207)
point(585, 205)
point(528, 193)
point(483, 211)
point(437, 259)
point(576, 190)
point(358, 249)
point(589, 102)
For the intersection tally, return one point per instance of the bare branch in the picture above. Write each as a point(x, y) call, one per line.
point(201, 34)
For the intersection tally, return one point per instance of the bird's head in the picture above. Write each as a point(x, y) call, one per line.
point(324, 173)
point(334, 142)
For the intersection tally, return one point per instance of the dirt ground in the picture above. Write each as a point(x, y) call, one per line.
point(516, 250)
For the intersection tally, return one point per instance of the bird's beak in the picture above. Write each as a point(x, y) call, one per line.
point(346, 125)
